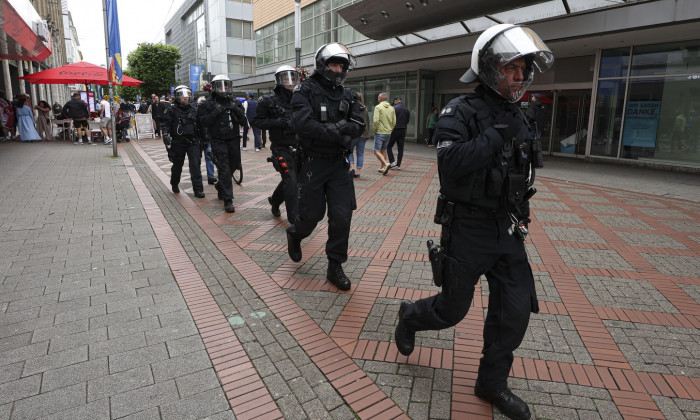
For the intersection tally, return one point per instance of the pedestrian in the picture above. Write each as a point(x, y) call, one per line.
point(211, 177)
point(179, 125)
point(43, 120)
point(7, 117)
point(358, 144)
point(398, 134)
point(251, 106)
point(25, 120)
point(157, 109)
point(76, 109)
point(57, 108)
point(106, 119)
point(384, 120)
point(483, 209)
point(432, 120)
point(326, 117)
point(220, 117)
point(274, 113)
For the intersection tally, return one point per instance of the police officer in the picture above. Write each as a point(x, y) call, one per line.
point(486, 177)
point(274, 113)
point(221, 116)
point(326, 117)
point(180, 136)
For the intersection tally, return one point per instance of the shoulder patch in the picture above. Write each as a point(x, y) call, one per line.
point(297, 87)
point(448, 110)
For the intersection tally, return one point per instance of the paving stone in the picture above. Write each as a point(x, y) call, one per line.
point(94, 410)
point(180, 366)
point(74, 374)
point(19, 389)
point(139, 357)
point(50, 402)
point(143, 398)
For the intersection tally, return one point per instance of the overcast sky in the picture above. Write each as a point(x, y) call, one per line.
point(139, 21)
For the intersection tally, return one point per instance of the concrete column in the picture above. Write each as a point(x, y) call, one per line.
point(20, 73)
point(6, 76)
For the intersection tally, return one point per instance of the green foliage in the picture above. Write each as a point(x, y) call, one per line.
point(154, 64)
point(127, 93)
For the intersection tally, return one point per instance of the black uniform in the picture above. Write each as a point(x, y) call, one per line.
point(326, 118)
point(483, 179)
point(274, 113)
point(220, 119)
point(180, 124)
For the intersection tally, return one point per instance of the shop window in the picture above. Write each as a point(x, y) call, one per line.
point(608, 118)
point(674, 58)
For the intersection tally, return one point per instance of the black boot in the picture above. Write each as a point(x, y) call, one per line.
point(293, 247)
point(211, 181)
point(336, 275)
point(275, 208)
point(176, 189)
point(199, 194)
point(405, 339)
point(219, 191)
point(510, 404)
point(228, 206)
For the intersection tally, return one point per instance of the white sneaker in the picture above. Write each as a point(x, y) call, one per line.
point(243, 148)
point(257, 150)
point(108, 141)
point(393, 165)
point(80, 141)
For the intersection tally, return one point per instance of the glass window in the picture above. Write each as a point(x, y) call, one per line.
point(662, 120)
point(240, 65)
point(675, 58)
point(614, 62)
point(605, 138)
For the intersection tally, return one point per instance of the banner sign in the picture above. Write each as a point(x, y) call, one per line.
point(641, 123)
point(195, 74)
point(114, 67)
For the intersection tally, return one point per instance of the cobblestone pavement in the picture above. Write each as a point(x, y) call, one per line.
point(120, 299)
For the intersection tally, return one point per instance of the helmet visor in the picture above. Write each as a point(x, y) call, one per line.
point(338, 52)
point(183, 93)
point(222, 86)
point(513, 43)
point(287, 78)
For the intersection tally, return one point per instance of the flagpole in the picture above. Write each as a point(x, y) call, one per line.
point(115, 153)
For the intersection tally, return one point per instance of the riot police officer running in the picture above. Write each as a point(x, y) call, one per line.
point(274, 113)
point(326, 117)
point(486, 174)
point(220, 117)
point(180, 135)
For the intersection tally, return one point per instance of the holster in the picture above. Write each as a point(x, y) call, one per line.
point(436, 255)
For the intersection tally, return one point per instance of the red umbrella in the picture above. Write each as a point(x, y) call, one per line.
point(76, 73)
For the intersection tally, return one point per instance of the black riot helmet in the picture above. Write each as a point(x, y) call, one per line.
point(334, 53)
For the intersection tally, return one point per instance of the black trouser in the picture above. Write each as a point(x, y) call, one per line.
point(227, 154)
point(286, 191)
point(324, 180)
point(178, 150)
point(483, 246)
point(398, 136)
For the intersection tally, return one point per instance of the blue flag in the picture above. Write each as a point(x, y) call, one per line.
point(195, 74)
point(114, 42)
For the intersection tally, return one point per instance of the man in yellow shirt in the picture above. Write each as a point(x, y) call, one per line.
point(384, 123)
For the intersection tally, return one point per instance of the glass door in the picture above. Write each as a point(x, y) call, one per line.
point(570, 128)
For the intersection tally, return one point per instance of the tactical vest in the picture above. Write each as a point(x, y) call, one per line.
point(186, 125)
point(225, 126)
point(326, 109)
point(505, 181)
point(279, 109)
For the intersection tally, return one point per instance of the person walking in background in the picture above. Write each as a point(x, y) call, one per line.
point(25, 120)
point(432, 120)
point(483, 209)
point(77, 110)
point(384, 122)
point(358, 144)
point(106, 119)
point(157, 109)
point(43, 120)
point(398, 134)
point(250, 110)
point(7, 117)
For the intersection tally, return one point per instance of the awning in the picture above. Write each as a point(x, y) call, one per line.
point(23, 35)
point(389, 18)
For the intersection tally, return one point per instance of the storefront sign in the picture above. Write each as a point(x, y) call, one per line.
point(641, 123)
point(144, 126)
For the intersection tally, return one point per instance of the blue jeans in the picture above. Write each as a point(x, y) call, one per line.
point(209, 163)
point(358, 146)
point(256, 135)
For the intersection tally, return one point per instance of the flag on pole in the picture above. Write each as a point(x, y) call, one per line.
point(114, 42)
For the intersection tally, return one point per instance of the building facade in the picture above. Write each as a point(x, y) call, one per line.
point(214, 34)
point(623, 86)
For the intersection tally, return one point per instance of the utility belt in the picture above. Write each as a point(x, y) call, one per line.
point(317, 155)
point(227, 140)
point(188, 140)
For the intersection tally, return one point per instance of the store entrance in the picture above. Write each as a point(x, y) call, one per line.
point(570, 123)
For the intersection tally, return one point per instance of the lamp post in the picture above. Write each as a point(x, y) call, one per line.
point(297, 31)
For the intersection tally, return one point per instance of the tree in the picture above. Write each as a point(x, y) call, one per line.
point(128, 93)
point(154, 64)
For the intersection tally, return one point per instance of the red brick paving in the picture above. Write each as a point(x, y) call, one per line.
point(631, 391)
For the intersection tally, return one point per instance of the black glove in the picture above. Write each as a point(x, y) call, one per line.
point(343, 126)
point(346, 142)
point(167, 140)
point(333, 133)
point(508, 125)
point(219, 109)
point(285, 123)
